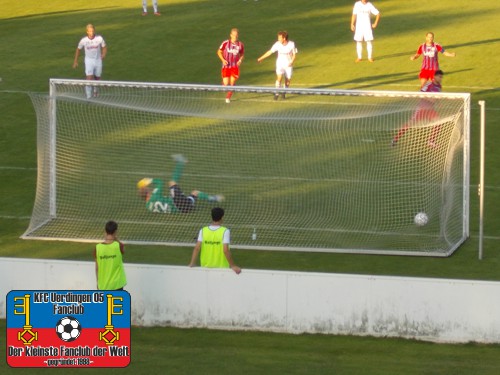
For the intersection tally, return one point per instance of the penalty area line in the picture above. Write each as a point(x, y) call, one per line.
point(12, 217)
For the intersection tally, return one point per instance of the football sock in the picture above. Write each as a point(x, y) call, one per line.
point(359, 49)
point(369, 49)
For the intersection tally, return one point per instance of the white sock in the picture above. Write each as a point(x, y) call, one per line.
point(359, 49)
point(369, 49)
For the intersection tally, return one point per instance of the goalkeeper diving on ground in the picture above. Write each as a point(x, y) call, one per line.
point(151, 190)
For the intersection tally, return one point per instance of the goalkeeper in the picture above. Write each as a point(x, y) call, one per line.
point(151, 190)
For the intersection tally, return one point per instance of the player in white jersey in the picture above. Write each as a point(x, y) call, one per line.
point(284, 62)
point(363, 28)
point(95, 51)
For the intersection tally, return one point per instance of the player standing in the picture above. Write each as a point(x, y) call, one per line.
point(95, 51)
point(213, 245)
point(425, 110)
point(108, 255)
point(430, 62)
point(284, 62)
point(231, 53)
point(363, 28)
point(145, 8)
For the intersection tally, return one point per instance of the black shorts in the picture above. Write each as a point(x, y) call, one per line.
point(183, 203)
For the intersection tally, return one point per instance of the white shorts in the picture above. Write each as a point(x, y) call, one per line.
point(284, 69)
point(363, 34)
point(93, 67)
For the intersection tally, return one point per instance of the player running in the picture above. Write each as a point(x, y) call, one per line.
point(430, 63)
point(425, 111)
point(95, 51)
point(284, 62)
point(151, 190)
point(231, 54)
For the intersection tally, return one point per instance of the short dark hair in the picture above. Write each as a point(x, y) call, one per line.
point(111, 227)
point(284, 34)
point(439, 73)
point(217, 213)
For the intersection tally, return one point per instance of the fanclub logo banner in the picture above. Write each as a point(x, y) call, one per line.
point(68, 328)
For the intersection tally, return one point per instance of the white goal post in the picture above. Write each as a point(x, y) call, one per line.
point(318, 170)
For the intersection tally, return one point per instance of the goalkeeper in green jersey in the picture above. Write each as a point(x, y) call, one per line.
point(151, 190)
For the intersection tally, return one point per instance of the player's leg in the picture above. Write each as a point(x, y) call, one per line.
point(288, 79)
point(433, 137)
point(369, 50)
point(433, 115)
point(182, 203)
point(368, 38)
point(401, 132)
point(424, 76)
point(180, 161)
point(225, 81)
point(144, 7)
point(207, 197)
point(89, 76)
point(232, 81)
point(155, 8)
point(97, 75)
point(358, 38)
point(359, 51)
point(277, 83)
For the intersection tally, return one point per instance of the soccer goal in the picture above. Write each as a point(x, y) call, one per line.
point(317, 170)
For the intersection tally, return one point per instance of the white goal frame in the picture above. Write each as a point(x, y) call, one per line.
point(52, 113)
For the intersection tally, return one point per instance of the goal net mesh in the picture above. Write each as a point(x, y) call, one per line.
point(316, 171)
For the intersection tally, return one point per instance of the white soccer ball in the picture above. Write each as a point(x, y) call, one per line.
point(421, 219)
point(68, 328)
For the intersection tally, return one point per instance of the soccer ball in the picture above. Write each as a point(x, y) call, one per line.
point(68, 328)
point(421, 219)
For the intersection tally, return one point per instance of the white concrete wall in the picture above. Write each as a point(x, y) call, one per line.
point(427, 309)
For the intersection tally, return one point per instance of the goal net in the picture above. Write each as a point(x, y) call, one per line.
point(321, 170)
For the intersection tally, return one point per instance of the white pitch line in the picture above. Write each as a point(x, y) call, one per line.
point(10, 217)
point(7, 168)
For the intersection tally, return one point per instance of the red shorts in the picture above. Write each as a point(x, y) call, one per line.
point(233, 71)
point(427, 74)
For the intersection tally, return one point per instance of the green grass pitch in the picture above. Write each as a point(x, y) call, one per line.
point(38, 42)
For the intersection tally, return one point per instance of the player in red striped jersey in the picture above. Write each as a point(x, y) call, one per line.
point(425, 111)
point(231, 53)
point(430, 62)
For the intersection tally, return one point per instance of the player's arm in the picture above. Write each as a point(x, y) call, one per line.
point(292, 58)
point(377, 18)
point(265, 56)
point(417, 54)
point(353, 22)
point(75, 61)
point(196, 252)
point(449, 54)
point(104, 52)
point(229, 257)
point(221, 57)
point(242, 53)
point(96, 267)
